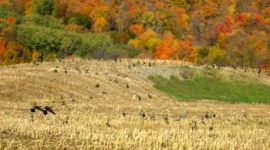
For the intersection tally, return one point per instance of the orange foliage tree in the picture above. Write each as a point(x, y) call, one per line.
point(11, 20)
point(164, 47)
point(136, 29)
point(2, 48)
point(187, 51)
point(163, 50)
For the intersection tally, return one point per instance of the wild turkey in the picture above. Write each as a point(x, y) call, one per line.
point(166, 120)
point(97, 85)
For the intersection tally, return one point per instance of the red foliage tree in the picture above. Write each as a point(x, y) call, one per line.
point(225, 28)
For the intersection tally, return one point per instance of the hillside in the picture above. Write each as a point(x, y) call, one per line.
point(234, 33)
point(89, 116)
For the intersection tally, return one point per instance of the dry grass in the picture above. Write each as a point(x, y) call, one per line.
point(236, 126)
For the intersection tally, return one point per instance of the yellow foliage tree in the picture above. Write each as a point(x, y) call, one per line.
point(100, 24)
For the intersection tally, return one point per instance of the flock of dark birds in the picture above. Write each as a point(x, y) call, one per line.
point(193, 125)
point(44, 109)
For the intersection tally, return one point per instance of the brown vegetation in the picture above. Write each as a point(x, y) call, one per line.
point(117, 120)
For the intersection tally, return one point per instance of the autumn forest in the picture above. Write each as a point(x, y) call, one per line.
point(221, 32)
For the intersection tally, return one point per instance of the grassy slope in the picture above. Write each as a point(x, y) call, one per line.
point(214, 84)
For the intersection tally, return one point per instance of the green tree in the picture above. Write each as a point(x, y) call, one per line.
point(46, 7)
point(80, 19)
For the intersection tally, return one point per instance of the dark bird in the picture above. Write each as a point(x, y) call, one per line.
point(211, 127)
point(259, 71)
point(108, 123)
point(166, 119)
point(97, 85)
point(66, 121)
point(203, 121)
point(33, 109)
point(72, 98)
point(127, 86)
point(55, 70)
point(104, 92)
point(149, 95)
point(124, 114)
point(115, 80)
point(45, 112)
point(207, 115)
point(65, 70)
point(153, 117)
point(138, 97)
point(49, 109)
point(142, 114)
point(63, 102)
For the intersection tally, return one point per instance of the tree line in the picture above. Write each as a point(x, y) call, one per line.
point(220, 32)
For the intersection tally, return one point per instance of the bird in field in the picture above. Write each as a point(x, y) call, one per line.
point(211, 128)
point(72, 98)
point(34, 108)
point(87, 70)
point(193, 125)
point(104, 92)
point(108, 123)
point(138, 97)
point(45, 110)
point(66, 121)
point(149, 95)
point(166, 120)
point(178, 119)
point(203, 121)
point(153, 117)
point(142, 114)
point(49, 109)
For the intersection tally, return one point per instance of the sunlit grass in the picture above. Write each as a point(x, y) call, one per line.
point(214, 85)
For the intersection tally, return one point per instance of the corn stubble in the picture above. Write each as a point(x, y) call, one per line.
point(114, 120)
